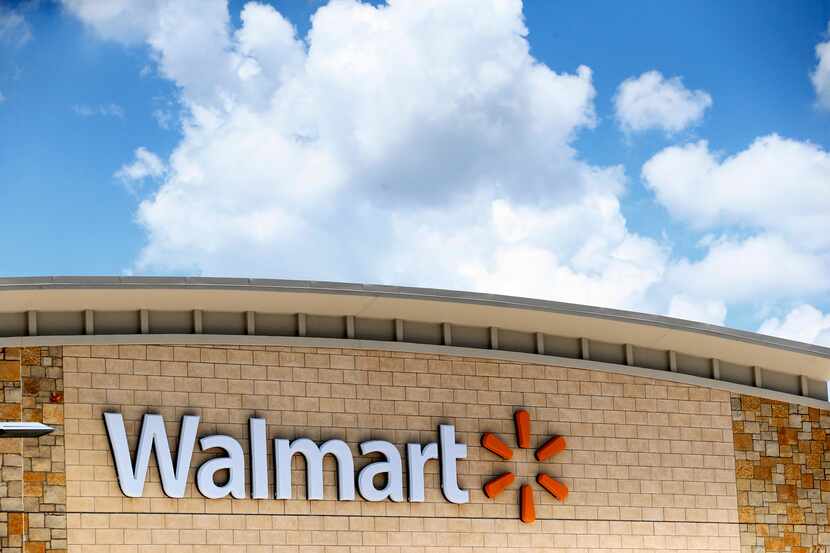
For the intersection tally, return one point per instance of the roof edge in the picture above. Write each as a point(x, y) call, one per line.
point(406, 292)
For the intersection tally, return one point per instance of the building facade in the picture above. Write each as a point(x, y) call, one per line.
point(338, 418)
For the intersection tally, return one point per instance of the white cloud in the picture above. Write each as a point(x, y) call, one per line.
point(579, 252)
point(413, 143)
point(697, 309)
point(767, 207)
point(776, 184)
point(104, 110)
point(804, 323)
point(651, 101)
point(146, 165)
point(193, 45)
point(743, 270)
point(122, 20)
point(821, 74)
point(14, 29)
point(420, 143)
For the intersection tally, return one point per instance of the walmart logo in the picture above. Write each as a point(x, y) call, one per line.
point(494, 444)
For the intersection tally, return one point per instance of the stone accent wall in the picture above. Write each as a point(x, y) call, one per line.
point(650, 464)
point(32, 470)
point(11, 455)
point(782, 464)
point(44, 473)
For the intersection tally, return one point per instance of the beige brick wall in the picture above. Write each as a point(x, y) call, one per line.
point(649, 464)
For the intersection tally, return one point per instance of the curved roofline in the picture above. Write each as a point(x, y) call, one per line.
point(406, 292)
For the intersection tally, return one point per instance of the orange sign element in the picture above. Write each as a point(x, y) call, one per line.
point(527, 509)
point(550, 448)
point(556, 488)
point(522, 419)
point(492, 443)
point(493, 487)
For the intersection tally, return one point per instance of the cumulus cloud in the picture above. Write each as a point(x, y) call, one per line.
point(652, 101)
point(14, 29)
point(804, 323)
point(742, 270)
point(413, 143)
point(421, 143)
point(821, 74)
point(126, 21)
point(697, 309)
point(777, 184)
point(526, 250)
point(766, 208)
point(194, 46)
point(146, 165)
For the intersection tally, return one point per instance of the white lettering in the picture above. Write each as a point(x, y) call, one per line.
point(153, 436)
point(259, 459)
point(132, 474)
point(450, 453)
point(392, 467)
point(416, 458)
point(283, 452)
point(234, 462)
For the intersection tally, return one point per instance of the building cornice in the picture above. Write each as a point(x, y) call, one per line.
point(50, 309)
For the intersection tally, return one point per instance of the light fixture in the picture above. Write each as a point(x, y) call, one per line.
point(23, 429)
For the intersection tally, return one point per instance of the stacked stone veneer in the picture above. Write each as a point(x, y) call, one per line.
point(11, 455)
point(32, 473)
point(783, 480)
point(650, 464)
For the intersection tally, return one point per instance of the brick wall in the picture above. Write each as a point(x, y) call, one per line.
point(649, 464)
point(782, 480)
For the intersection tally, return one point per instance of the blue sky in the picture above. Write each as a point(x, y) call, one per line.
point(431, 145)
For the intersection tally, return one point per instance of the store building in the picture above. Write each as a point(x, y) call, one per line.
point(235, 415)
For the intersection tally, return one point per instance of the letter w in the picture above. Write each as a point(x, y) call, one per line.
point(153, 435)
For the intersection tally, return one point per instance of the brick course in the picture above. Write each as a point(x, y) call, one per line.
point(649, 464)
